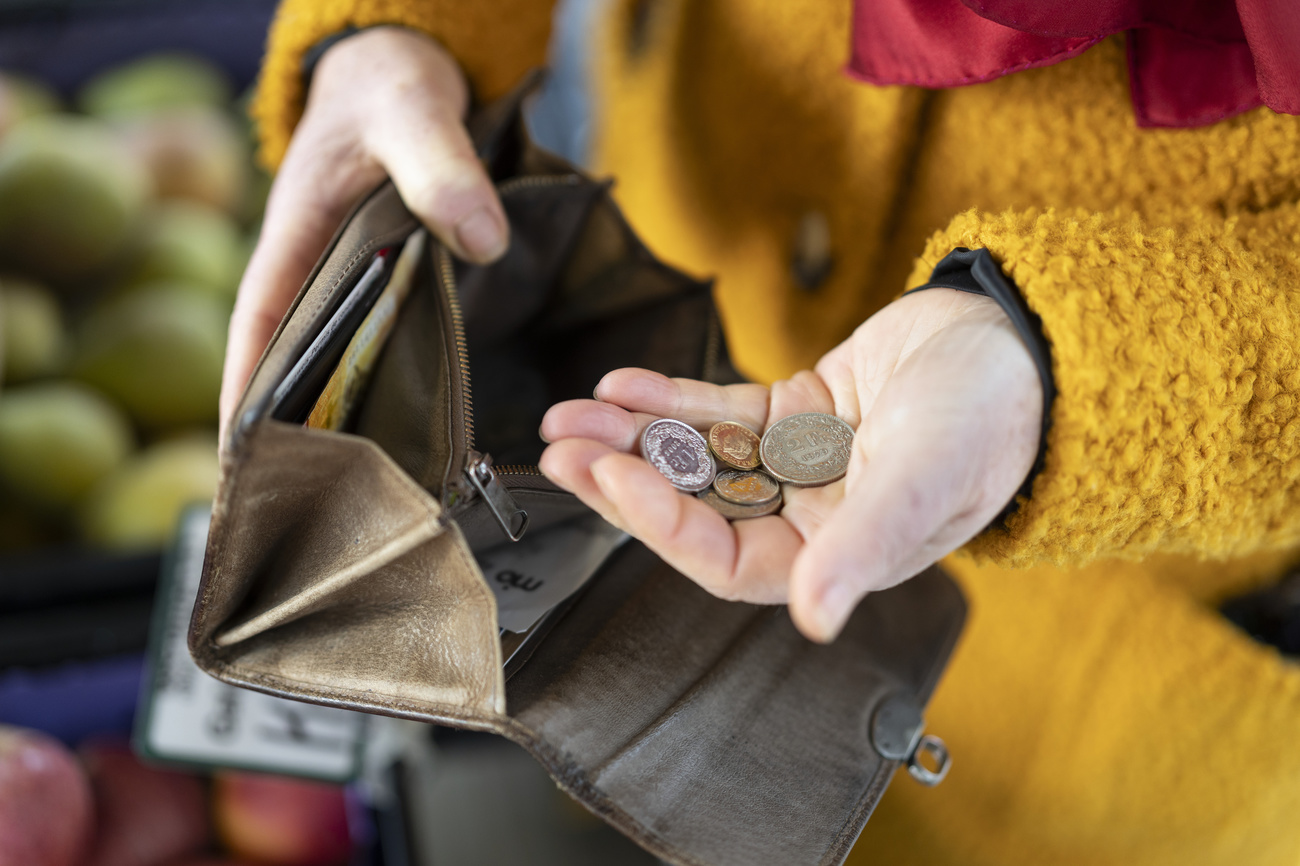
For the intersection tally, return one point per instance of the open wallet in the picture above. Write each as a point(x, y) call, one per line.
point(361, 550)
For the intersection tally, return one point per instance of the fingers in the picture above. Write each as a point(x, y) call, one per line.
point(803, 392)
point(745, 561)
point(699, 404)
point(894, 521)
point(630, 398)
point(590, 419)
point(568, 464)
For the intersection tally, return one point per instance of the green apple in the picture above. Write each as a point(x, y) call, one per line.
point(139, 504)
point(158, 350)
point(70, 197)
point(159, 81)
point(31, 330)
point(58, 440)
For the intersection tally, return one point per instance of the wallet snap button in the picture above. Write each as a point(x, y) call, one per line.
point(897, 735)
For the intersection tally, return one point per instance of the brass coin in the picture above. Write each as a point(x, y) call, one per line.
point(680, 454)
point(746, 488)
point(734, 444)
point(733, 511)
point(808, 449)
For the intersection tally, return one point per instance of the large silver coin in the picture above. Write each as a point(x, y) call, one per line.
point(680, 454)
point(746, 488)
point(807, 450)
point(734, 511)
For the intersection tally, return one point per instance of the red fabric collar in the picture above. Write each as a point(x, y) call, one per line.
point(1191, 62)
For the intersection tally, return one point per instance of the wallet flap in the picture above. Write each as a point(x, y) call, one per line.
point(712, 732)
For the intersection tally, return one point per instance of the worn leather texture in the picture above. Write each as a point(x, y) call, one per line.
point(340, 566)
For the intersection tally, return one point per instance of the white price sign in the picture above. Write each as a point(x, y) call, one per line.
point(188, 717)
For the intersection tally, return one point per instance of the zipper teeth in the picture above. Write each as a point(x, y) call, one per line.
point(517, 469)
point(447, 271)
point(536, 180)
point(448, 274)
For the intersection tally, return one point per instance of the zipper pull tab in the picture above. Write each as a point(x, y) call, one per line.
point(498, 498)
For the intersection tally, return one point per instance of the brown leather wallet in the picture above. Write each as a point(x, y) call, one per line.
point(341, 566)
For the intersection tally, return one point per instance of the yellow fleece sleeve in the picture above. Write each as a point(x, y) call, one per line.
point(495, 42)
point(1176, 354)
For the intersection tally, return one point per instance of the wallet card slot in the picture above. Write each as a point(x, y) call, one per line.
point(409, 409)
point(378, 221)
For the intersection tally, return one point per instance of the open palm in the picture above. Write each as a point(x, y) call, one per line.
point(947, 407)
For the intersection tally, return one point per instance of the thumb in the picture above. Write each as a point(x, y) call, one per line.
point(896, 519)
point(428, 153)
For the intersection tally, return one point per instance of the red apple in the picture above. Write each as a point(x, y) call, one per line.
point(280, 821)
point(147, 816)
point(46, 814)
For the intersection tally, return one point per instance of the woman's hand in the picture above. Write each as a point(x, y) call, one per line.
point(385, 101)
point(947, 405)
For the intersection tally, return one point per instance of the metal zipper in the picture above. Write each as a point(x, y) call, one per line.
point(482, 477)
point(447, 271)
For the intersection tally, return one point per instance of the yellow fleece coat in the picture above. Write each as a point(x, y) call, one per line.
point(1099, 709)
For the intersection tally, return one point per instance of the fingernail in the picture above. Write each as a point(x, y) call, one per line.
point(832, 611)
point(542, 436)
point(595, 393)
point(480, 235)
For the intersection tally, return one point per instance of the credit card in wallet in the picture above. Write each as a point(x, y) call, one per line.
point(297, 392)
point(343, 390)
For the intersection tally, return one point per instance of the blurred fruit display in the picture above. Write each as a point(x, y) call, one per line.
point(136, 505)
point(57, 440)
point(46, 811)
point(71, 195)
point(143, 815)
point(280, 821)
point(125, 225)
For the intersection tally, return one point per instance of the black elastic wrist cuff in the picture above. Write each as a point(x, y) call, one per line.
point(976, 272)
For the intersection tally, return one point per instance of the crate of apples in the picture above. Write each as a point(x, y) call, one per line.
point(100, 806)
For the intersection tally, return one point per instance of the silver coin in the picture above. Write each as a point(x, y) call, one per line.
point(735, 511)
point(807, 450)
point(680, 454)
point(746, 488)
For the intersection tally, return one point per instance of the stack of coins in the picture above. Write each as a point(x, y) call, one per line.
point(810, 449)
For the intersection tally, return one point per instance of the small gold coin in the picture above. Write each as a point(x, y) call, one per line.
point(734, 444)
point(746, 488)
point(733, 511)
